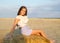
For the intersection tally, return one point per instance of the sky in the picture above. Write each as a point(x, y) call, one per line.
point(36, 8)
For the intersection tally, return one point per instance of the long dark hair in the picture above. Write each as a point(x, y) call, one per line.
point(21, 9)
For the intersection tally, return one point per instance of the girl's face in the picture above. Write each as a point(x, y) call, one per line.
point(23, 11)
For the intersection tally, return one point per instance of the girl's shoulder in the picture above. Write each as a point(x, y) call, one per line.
point(18, 17)
point(21, 17)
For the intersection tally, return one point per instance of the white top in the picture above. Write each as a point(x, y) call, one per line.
point(23, 23)
point(23, 20)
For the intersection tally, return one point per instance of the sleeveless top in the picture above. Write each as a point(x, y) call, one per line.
point(23, 20)
point(25, 30)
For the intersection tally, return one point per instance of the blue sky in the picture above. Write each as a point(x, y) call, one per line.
point(36, 8)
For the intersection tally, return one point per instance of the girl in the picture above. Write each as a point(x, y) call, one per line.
point(21, 21)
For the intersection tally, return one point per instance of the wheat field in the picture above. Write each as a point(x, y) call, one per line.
point(50, 26)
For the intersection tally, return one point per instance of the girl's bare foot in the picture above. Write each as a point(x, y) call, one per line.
point(52, 41)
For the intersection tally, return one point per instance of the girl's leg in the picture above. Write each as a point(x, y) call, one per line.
point(35, 32)
point(38, 32)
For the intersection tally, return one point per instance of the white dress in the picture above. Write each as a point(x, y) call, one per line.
point(25, 30)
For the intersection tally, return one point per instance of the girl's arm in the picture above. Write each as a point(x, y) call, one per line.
point(14, 25)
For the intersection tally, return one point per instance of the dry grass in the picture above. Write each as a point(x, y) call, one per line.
point(50, 26)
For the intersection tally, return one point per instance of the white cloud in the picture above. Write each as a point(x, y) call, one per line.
point(8, 12)
point(44, 8)
point(50, 11)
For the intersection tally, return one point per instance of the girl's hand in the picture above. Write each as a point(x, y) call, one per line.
point(11, 34)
